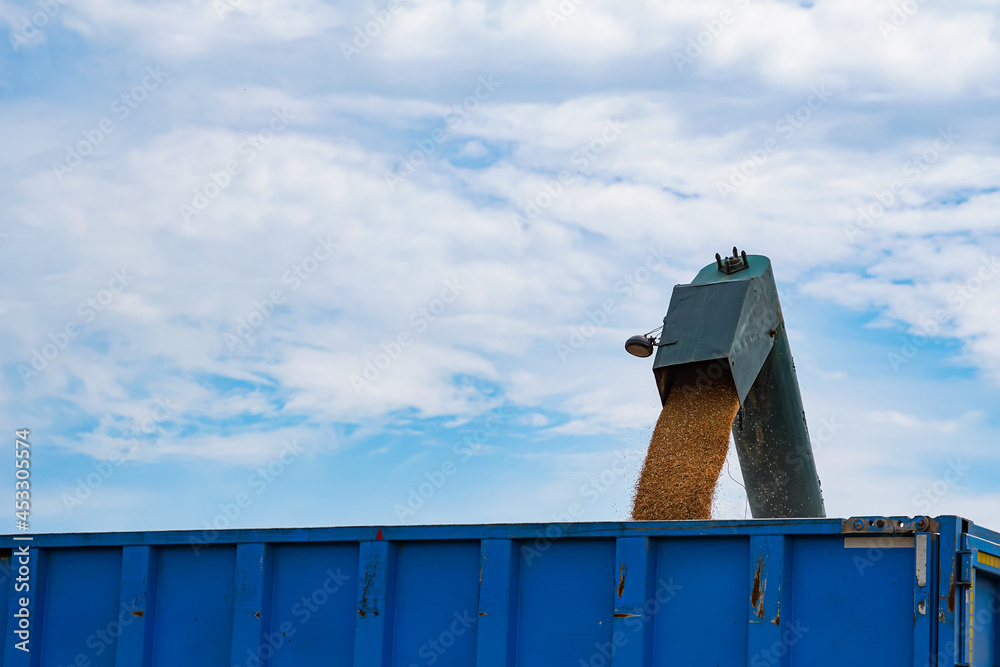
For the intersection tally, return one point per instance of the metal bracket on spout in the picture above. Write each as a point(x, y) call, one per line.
point(731, 265)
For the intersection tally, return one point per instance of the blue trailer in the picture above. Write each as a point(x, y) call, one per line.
point(881, 591)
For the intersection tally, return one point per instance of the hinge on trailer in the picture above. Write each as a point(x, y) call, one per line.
point(898, 525)
point(963, 576)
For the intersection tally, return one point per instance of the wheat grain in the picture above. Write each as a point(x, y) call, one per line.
point(687, 450)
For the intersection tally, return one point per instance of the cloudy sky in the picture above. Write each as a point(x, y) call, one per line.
point(298, 263)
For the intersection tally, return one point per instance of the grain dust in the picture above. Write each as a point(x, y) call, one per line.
point(687, 450)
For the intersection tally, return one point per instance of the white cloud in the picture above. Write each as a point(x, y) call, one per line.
point(473, 149)
point(190, 28)
point(301, 186)
point(902, 420)
point(655, 184)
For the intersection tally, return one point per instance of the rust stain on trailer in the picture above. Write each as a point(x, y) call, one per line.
point(369, 581)
point(777, 612)
point(951, 592)
point(757, 595)
point(621, 580)
point(626, 615)
point(137, 613)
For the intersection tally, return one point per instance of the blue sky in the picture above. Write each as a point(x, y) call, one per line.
point(264, 269)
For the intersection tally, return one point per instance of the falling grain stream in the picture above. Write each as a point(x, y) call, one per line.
point(687, 450)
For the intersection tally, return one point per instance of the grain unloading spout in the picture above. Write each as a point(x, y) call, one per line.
point(727, 323)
